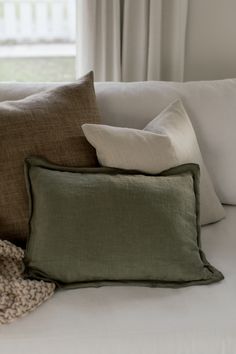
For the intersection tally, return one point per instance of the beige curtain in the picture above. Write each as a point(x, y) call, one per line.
point(131, 40)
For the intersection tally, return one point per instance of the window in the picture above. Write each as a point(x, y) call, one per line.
point(37, 40)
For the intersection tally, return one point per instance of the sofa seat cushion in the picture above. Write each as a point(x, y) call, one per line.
point(135, 320)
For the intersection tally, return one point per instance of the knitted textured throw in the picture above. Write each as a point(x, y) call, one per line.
point(18, 296)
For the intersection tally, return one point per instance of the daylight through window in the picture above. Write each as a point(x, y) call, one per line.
point(37, 40)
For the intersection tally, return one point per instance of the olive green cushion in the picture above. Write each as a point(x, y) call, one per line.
point(100, 226)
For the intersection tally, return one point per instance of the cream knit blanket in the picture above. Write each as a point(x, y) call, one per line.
point(18, 296)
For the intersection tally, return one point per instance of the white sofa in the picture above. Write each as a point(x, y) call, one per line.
point(128, 320)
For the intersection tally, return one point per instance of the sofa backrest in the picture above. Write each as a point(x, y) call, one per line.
point(211, 106)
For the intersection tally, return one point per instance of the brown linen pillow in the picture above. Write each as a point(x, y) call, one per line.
point(46, 124)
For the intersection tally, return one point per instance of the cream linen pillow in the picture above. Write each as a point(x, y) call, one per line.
point(167, 141)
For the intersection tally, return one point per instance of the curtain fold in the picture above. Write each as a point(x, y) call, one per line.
point(132, 40)
point(99, 38)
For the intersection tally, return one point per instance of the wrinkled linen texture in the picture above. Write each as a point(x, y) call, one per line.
point(98, 226)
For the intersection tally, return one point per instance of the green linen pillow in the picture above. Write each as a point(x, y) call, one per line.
point(91, 227)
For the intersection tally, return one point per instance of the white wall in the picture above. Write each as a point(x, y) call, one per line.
point(211, 40)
